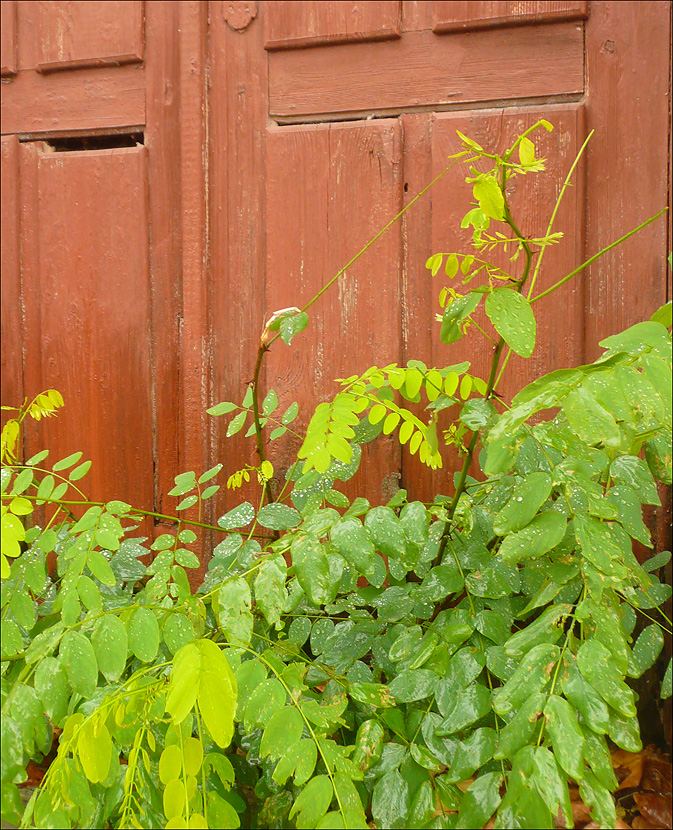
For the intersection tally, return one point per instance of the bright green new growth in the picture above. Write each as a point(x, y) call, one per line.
point(343, 664)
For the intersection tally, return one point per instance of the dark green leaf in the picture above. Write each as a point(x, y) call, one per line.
point(238, 517)
point(525, 501)
point(270, 592)
point(411, 685)
point(663, 315)
point(352, 541)
point(471, 704)
point(637, 339)
point(472, 754)
point(110, 644)
point(530, 677)
point(143, 634)
point(633, 471)
point(547, 628)
point(234, 611)
point(312, 569)
point(51, 684)
point(645, 651)
point(585, 699)
point(592, 423)
point(79, 659)
point(391, 800)
point(537, 538)
point(519, 731)
point(566, 736)
point(283, 729)
point(312, 802)
point(480, 801)
point(597, 666)
point(298, 760)
point(593, 793)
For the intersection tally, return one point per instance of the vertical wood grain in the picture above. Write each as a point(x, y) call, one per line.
point(87, 299)
point(7, 38)
point(162, 137)
point(237, 126)
point(330, 188)
point(194, 345)
point(418, 299)
point(628, 104)
point(11, 306)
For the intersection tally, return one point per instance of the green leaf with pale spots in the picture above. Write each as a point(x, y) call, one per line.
point(513, 319)
point(597, 666)
point(566, 736)
point(79, 659)
point(312, 568)
point(110, 645)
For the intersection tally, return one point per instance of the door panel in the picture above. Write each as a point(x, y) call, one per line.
point(112, 99)
point(559, 337)
point(316, 22)
point(247, 185)
point(422, 69)
point(87, 307)
point(7, 38)
point(78, 33)
point(467, 15)
point(532, 197)
point(330, 188)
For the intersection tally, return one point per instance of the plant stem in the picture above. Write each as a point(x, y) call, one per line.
point(596, 256)
point(370, 243)
point(174, 519)
point(259, 438)
point(497, 352)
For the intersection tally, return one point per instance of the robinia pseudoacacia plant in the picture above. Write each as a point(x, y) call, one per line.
point(342, 664)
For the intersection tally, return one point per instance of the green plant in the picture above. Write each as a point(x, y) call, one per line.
point(418, 665)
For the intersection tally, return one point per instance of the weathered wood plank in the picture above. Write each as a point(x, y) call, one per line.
point(421, 69)
point(87, 33)
point(11, 306)
point(468, 15)
point(87, 301)
point(330, 188)
point(290, 24)
point(86, 100)
point(7, 38)
point(162, 137)
point(238, 120)
point(628, 106)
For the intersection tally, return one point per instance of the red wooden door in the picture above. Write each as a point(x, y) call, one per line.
point(328, 117)
point(175, 172)
point(91, 234)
